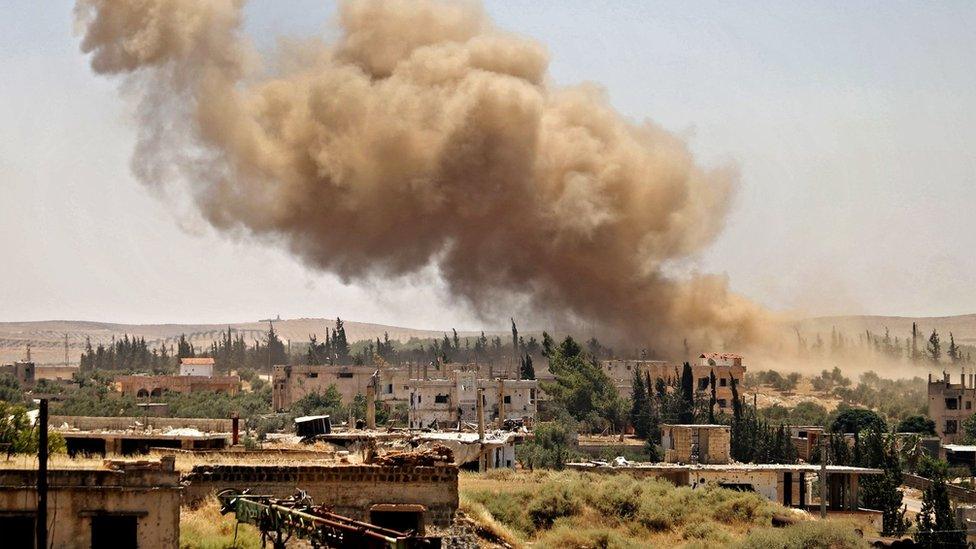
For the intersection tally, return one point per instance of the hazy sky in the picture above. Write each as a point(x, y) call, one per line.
point(853, 125)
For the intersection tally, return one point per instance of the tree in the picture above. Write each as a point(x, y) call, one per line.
point(954, 353)
point(640, 406)
point(918, 424)
point(553, 445)
point(340, 345)
point(936, 522)
point(276, 348)
point(913, 354)
point(582, 389)
point(526, 368)
point(855, 420)
point(881, 492)
point(687, 394)
point(969, 429)
point(934, 348)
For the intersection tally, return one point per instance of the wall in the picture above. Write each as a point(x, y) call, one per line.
point(76, 494)
point(961, 395)
point(290, 383)
point(349, 489)
point(88, 423)
point(205, 370)
point(142, 386)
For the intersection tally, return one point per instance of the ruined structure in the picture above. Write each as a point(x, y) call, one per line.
point(420, 494)
point(289, 383)
point(128, 435)
point(144, 386)
point(23, 371)
point(126, 505)
point(950, 404)
point(696, 443)
point(725, 365)
point(453, 399)
point(197, 367)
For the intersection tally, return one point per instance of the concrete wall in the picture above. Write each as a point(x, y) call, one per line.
point(88, 423)
point(349, 489)
point(153, 496)
point(141, 386)
point(712, 443)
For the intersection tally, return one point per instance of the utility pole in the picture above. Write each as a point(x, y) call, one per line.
point(40, 527)
point(66, 350)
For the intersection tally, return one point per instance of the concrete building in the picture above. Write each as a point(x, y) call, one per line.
point(454, 399)
point(950, 404)
point(143, 386)
point(128, 435)
point(725, 365)
point(23, 371)
point(126, 505)
point(197, 367)
point(290, 383)
point(696, 443)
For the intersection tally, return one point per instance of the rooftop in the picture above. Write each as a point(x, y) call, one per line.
point(197, 361)
point(741, 467)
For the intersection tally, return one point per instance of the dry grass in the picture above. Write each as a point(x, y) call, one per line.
point(203, 527)
point(184, 461)
point(571, 509)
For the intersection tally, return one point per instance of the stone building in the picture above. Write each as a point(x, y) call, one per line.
point(696, 443)
point(127, 505)
point(725, 365)
point(143, 386)
point(22, 370)
point(290, 383)
point(450, 400)
point(950, 404)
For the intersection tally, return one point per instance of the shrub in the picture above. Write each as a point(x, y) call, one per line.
point(569, 536)
point(552, 502)
point(805, 535)
point(705, 530)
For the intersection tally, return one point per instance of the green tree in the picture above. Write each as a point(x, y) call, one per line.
point(711, 399)
point(553, 445)
point(920, 424)
point(583, 389)
point(184, 348)
point(934, 348)
point(855, 420)
point(687, 394)
point(954, 353)
point(881, 492)
point(640, 406)
point(935, 523)
point(526, 369)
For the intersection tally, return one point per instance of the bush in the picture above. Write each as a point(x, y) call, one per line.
point(571, 536)
point(805, 535)
point(553, 502)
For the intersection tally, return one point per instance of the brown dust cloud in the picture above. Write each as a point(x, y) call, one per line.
point(423, 136)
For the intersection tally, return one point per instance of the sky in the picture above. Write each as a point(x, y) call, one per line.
point(852, 126)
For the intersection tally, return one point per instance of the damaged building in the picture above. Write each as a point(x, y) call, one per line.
point(121, 505)
point(950, 404)
point(726, 366)
point(453, 400)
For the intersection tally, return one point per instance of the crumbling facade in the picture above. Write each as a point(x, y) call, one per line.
point(355, 491)
point(696, 443)
point(144, 386)
point(454, 399)
point(290, 383)
point(950, 404)
point(726, 366)
point(129, 505)
point(23, 371)
point(197, 367)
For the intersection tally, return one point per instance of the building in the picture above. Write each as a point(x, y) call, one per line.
point(950, 404)
point(23, 371)
point(144, 386)
point(696, 455)
point(123, 505)
point(725, 365)
point(452, 400)
point(696, 443)
point(197, 367)
point(290, 383)
point(89, 436)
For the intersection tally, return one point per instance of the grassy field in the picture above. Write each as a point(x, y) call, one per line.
point(568, 509)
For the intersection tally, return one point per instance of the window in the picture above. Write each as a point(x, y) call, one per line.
point(389, 388)
point(312, 375)
point(969, 405)
point(702, 383)
point(344, 375)
point(951, 404)
point(722, 403)
point(951, 427)
point(18, 530)
point(508, 399)
point(440, 399)
point(113, 531)
point(723, 382)
point(531, 395)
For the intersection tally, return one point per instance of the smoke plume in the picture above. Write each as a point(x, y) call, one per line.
point(423, 135)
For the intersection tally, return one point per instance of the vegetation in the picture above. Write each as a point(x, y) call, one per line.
point(570, 509)
point(935, 524)
point(553, 445)
point(582, 390)
point(203, 527)
point(17, 431)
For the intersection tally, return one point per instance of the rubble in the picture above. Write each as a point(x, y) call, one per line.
point(436, 455)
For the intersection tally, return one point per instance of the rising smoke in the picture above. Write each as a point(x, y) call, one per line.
point(425, 136)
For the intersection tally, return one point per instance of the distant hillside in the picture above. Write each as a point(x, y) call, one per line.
point(47, 337)
point(963, 327)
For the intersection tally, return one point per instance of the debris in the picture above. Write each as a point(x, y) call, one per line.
point(436, 455)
